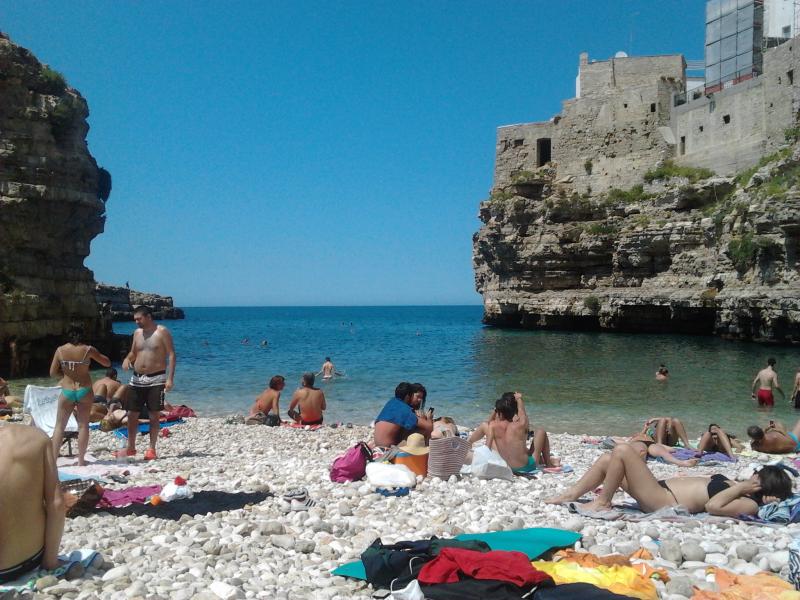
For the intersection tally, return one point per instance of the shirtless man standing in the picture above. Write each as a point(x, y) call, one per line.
point(328, 370)
point(766, 380)
point(31, 532)
point(151, 347)
point(507, 433)
point(105, 388)
point(774, 439)
point(310, 401)
point(796, 389)
point(267, 401)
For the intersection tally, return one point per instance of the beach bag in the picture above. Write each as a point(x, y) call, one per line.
point(794, 563)
point(273, 420)
point(447, 456)
point(257, 419)
point(81, 496)
point(384, 475)
point(352, 465)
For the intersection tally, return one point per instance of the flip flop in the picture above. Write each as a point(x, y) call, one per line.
point(299, 493)
point(298, 505)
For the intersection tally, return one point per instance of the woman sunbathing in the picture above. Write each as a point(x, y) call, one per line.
point(716, 494)
point(717, 440)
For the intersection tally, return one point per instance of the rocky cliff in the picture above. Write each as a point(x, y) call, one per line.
point(119, 302)
point(52, 204)
point(683, 253)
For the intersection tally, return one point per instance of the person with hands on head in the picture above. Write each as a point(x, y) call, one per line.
point(401, 416)
point(72, 361)
point(667, 431)
point(152, 357)
point(506, 433)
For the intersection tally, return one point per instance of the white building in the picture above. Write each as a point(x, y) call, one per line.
point(779, 18)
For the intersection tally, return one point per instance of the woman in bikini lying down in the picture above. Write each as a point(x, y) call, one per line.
point(716, 494)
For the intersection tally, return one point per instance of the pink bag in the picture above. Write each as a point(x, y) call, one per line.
point(352, 465)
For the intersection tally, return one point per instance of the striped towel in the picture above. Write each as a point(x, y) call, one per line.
point(446, 456)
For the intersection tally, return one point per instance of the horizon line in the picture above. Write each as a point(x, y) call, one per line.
point(323, 305)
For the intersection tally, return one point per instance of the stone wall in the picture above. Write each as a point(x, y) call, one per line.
point(52, 204)
point(609, 136)
point(729, 131)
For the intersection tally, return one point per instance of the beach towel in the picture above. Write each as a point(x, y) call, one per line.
point(619, 579)
point(42, 404)
point(211, 501)
point(301, 426)
point(785, 511)
point(128, 496)
point(143, 427)
point(706, 458)
point(761, 586)
point(533, 541)
point(28, 580)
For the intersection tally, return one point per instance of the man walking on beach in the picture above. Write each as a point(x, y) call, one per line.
point(309, 400)
point(506, 433)
point(399, 418)
point(152, 357)
point(766, 380)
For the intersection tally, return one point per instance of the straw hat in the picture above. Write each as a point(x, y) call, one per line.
point(415, 444)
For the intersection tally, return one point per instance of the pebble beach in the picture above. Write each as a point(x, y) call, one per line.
point(266, 551)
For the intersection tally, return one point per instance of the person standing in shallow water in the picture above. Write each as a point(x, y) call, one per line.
point(662, 374)
point(766, 380)
point(328, 369)
point(72, 361)
point(152, 357)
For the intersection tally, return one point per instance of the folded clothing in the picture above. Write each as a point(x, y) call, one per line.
point(498, 565)
point(615, 578)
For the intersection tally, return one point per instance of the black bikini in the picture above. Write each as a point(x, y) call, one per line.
point(14, 572)
point(718, 483)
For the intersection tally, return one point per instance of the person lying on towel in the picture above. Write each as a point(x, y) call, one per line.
point(623, 468)
point(31, 530)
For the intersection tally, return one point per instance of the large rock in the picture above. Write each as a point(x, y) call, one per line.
point(52, 205)
point(707, 257)
point(119, 302)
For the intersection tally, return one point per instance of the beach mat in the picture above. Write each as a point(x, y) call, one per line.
point(210, 501)
point(27, 581)
point(533, 541)
point(143, 427)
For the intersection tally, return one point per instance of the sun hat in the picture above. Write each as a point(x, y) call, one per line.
point(415, 444)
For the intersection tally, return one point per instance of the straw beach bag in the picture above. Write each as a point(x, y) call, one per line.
point(446, 456)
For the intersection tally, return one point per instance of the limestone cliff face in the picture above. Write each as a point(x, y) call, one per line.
point(52, 204)
point(713, 257)
point(119, 302)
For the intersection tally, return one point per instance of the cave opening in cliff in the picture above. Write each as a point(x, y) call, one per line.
point(543, 151)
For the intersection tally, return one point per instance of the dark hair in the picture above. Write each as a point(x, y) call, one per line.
point(418, 387)
point(775, 481)
point(75, 333)
point(755, 432)
point(771, 361)
point(111, 372)
point(506, 406)
point(276, 381)
point(328, 359)
point(143, 310)
point(403, 390)
point(308, 379)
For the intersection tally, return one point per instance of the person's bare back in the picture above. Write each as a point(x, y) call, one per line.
point(767, 378)
point(105, 387)
point(267, 402)
point(309, 400)
point(29, 485)
point(509, 440)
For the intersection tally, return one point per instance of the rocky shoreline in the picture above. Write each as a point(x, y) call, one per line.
point(263, 551)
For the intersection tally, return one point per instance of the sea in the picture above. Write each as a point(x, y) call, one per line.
point(592, 383)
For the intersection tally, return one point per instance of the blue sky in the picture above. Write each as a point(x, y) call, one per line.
point(316, 153)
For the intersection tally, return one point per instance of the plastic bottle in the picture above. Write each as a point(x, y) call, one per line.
point(122, 451)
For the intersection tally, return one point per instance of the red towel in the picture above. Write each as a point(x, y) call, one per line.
point(500, 565)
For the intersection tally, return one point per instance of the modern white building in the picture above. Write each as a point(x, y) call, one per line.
point(779, 18)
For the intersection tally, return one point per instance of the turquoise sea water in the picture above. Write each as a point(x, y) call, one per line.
point(574, 382)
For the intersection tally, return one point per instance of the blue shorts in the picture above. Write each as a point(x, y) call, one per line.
point(795, 440)
point(527, 468)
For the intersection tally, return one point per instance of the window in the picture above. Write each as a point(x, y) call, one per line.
point(518, 142)
point(712, 31)
point(787, 31)
point(625, 105)
point(712, 53)
point(726, 119)
point(712, 10)
point(543, 150)
point(728, 69)
point(744, 41)
point(652, 107)
point(728, 25)
point(701, 128)
point(744, 17)
point(728, 49)
point(683, 145)
point(790, 76)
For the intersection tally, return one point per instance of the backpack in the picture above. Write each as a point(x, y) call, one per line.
point(352, 465)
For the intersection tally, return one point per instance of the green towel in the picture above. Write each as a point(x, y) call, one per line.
point(533, 541)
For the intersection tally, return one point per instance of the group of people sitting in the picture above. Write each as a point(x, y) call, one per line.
point(305, 408)
point(507, 432)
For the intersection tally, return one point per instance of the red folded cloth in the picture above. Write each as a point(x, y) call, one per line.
point(500, 565)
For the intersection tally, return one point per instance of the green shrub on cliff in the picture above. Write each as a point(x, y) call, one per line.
point(524, 177)
point(669, 170)
point(742, 251)
point(601, 229)
point(61, 118)
point(592, 303)
point(635, 194)
point(53, 82)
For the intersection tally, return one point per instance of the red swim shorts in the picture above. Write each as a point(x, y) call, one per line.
point(765, 398)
